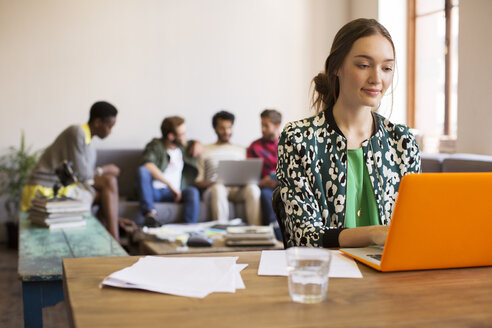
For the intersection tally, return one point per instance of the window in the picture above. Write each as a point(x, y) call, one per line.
point(433, 70)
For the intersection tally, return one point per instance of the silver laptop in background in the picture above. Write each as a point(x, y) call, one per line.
point(239, 172)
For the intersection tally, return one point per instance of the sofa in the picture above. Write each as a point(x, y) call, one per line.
point(435, 163)
point(128, 161)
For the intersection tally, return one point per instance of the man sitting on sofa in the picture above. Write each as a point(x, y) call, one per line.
point(266, 148)
point(97, 185)
point(168, 171)
point(219, 194)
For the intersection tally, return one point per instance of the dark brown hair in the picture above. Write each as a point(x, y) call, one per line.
point(102, 110)
point(326, 84)
point(222, 115)
point(274, 115)
point(169, 125)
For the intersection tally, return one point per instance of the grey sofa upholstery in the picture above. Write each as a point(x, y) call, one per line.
point(434, 163)
point(128, 160)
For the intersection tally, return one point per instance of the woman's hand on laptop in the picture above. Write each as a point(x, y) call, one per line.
point(363, 236)
point(379, 234)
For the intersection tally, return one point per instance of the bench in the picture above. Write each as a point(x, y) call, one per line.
point(40, 260)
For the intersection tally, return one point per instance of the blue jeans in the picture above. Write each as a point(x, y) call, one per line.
point(147, 194)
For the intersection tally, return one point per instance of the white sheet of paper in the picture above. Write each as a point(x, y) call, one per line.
point(185, 276)
point(239, 279)
point(343, 266)
point(274, 263)
point(232, 280)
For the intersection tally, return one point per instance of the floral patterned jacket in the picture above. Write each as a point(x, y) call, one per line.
point(312, 170)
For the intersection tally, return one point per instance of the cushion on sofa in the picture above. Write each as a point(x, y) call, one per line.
point(467, 163)
point(432, 163)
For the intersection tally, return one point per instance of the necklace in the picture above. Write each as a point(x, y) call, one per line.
point(358, 196)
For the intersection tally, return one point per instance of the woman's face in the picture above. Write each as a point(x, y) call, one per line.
point(366, 72)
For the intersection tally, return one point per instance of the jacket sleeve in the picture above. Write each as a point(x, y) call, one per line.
point(410, 152)
point(414, 158)
point(305, 225)
point(150, 154)
point(200, 165)
point(189, 159)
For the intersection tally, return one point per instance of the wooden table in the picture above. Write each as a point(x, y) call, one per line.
point(444, 298)
point(40, 260)
point(152, 247)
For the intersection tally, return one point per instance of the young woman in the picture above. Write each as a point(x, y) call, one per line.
point(340, 170)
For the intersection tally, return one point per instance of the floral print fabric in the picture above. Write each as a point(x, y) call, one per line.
point(312, 170)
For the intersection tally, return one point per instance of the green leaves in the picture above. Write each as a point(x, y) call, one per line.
point(15, 167)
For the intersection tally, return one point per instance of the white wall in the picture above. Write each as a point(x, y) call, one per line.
point(393, 15)
point(475, 78)
point(155, 58)
point(363, 9)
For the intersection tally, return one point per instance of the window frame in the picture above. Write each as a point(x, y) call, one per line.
point(411, 64)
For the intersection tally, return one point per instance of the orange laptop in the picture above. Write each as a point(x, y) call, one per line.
point(440, 220)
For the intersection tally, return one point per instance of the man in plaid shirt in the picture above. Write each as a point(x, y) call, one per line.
point(266, 148)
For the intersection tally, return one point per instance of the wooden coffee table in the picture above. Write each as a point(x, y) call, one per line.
point(153, 247)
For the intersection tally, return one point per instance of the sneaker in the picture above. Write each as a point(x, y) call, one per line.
point(151, 219)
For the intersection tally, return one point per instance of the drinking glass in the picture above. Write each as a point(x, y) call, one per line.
point(308, 269)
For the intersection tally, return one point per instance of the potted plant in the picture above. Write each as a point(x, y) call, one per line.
point(15, 167)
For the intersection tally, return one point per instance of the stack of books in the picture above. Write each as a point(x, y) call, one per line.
point(57, 213)
point(250, 236)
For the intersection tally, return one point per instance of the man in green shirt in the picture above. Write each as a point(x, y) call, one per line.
point(168, 171)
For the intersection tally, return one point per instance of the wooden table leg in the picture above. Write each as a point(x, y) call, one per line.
point(36, 295)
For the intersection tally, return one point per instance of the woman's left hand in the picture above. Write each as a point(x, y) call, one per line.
point(379, 234)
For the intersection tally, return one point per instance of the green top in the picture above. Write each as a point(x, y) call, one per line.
point(361, 208)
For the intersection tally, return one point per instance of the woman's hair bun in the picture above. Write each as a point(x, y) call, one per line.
point(321, 84)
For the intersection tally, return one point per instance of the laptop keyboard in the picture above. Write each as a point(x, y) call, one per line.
point(375, 256)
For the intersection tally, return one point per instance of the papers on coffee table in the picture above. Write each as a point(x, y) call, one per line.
point(183, 276)
point(274, 263)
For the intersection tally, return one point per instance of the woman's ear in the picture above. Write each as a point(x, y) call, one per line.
point(337, 73)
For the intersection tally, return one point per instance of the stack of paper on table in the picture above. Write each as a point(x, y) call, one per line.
point(56, 213)
point(179, 232)
point(274, 263)
point(250, 236)
point(183, 276)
